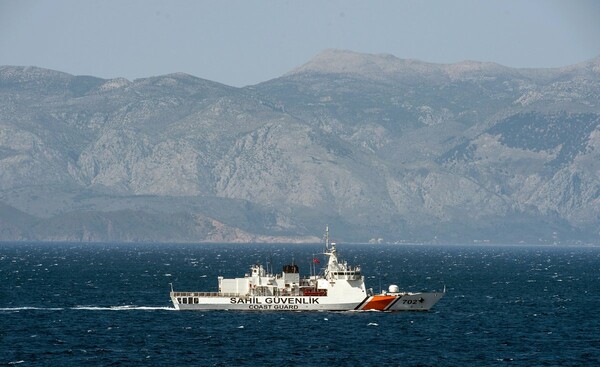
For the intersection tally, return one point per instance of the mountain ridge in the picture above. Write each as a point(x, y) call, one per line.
point(439, 154)
point(335, 61)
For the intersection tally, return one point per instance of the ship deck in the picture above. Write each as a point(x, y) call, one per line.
point(205, 294)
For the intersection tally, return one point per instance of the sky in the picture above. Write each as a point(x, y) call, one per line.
point(242, 43)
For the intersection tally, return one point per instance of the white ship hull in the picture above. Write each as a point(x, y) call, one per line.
point(382, 302)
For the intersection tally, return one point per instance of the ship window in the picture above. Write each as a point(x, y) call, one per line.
point(178, 300)
point(184, 300)
point(196, 300)
point(190, 300)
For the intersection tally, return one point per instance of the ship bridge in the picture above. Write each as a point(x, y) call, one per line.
point(340, 270)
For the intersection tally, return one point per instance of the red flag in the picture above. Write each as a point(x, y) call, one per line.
point(316, 261)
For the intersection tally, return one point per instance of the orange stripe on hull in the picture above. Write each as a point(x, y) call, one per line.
point(379, 303)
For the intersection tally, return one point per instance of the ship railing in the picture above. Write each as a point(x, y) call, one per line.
point(204, 294)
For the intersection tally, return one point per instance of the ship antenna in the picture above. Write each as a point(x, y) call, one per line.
point(327, 238)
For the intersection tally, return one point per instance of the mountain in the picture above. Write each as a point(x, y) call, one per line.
point(378, 147)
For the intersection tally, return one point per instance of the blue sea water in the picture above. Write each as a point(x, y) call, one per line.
point(108, 305)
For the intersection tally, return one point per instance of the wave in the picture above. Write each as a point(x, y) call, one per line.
point(30, 308)
point(89, 308)
point(122, 308)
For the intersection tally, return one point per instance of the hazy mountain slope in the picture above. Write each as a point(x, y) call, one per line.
point(371, 144)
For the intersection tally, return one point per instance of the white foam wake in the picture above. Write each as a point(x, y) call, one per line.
point(30, 308)
point(122, 308)
point(89, 308)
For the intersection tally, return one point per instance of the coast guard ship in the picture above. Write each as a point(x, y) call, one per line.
point(340, 287)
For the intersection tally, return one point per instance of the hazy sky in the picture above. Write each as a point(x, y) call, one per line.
point(246, 42)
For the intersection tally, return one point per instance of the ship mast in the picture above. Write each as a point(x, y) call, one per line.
point(327, 238)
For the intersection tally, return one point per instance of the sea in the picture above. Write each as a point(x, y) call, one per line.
point(67, 304)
